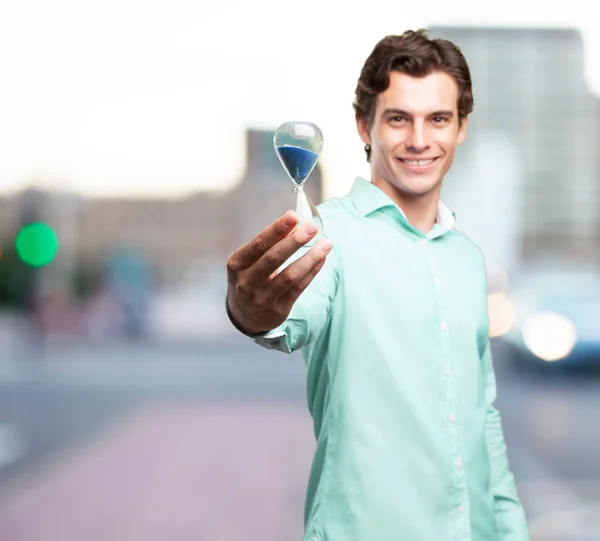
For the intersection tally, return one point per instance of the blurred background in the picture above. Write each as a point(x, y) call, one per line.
point(136, 154)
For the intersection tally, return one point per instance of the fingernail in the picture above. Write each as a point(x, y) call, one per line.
point(288, 221)
point(326, 245)
point(310, 228)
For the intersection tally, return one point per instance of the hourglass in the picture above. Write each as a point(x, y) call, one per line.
point(298, 146)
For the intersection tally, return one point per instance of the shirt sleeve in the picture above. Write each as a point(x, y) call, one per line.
point(311, 311)
point(511, 523)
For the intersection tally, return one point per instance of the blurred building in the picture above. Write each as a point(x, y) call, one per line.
point(526, 183)
point(203, 228)
point(174, 236)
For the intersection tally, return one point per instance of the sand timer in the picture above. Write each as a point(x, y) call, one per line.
point(298, 146)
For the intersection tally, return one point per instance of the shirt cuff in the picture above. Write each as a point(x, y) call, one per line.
point(273, 340)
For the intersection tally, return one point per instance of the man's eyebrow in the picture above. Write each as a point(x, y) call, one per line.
point(396, 112)
point(401, 112)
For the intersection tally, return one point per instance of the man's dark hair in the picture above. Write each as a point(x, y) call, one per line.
point(416, 54)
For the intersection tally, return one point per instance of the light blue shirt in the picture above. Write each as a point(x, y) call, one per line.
point(400, 383)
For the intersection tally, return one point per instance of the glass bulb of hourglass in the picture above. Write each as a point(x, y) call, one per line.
point(298, 146)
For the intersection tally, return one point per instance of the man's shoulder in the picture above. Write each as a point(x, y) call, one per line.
point(334, 205)
point(337, 214)
point(468, 245)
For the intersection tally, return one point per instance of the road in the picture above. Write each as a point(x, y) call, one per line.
point(171, 441)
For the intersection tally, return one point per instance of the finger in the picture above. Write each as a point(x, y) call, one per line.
point(252, 251)
point(287, 300)
point(296, 272)
point(278, 254)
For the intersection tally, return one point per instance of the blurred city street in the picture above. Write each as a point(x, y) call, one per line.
point(193, 441)
point(131, 168)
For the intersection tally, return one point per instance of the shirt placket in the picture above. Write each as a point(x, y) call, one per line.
point(459, 494)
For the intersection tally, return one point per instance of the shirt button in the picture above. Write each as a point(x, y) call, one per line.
point(437, 281)
point(461, 509)
point(458, 463)
point(452, 418)
point(423, 241)
point(444, 325)
point(448, 372)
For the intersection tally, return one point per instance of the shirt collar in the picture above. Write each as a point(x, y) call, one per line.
point(368, 198)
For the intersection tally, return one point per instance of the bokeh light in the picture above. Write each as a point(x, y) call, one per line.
point(36, 244)
point(549, 336)
point(502, 314)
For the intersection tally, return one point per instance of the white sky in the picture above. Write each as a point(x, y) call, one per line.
point(153, 97)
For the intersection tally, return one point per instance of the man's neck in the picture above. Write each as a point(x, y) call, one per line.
point(420, 211)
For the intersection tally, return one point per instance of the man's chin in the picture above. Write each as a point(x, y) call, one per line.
point(413, 189)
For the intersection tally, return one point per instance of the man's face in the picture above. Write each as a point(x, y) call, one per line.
point(414, 133)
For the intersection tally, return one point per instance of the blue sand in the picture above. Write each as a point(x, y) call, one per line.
point(298, 161)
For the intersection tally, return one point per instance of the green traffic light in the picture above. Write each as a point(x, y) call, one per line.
point(36, 244)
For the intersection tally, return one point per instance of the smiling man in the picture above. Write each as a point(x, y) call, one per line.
point(390, 313)
point(411, 131)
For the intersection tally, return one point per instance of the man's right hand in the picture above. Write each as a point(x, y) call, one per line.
point(260, 298)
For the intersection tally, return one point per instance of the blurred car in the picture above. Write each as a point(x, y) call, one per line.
point(555, 321)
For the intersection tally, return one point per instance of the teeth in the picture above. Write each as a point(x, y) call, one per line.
point(418, 162)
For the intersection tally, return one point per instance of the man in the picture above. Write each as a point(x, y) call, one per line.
point(390, 313)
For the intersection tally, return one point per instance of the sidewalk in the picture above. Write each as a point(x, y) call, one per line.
point(190, 471)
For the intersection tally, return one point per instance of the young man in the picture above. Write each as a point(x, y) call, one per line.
point(390, 313)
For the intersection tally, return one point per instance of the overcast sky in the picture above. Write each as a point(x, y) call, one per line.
point(152, 98)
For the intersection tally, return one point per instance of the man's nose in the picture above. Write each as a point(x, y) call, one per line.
point(418, 138)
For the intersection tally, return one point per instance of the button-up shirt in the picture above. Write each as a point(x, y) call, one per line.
point(400, 382)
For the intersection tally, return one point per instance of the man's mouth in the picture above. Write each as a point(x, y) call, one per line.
point(418, 163)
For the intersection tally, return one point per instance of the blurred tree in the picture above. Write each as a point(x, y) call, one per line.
point(19, 282)
point(16, 280)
